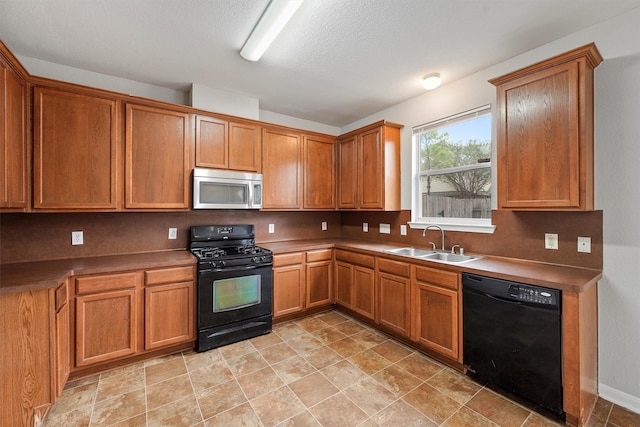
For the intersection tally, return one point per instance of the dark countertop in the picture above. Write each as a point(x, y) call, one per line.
point(563, 277)
point(29, 276)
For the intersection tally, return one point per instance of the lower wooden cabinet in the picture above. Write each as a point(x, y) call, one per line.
point(106, 317)
point(394, 296)
point(125, 314)
point(302, 280)
point(169, 316)
point(437, 311)
point(355, 282)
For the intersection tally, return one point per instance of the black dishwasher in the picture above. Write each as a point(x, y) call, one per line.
point(512, 338)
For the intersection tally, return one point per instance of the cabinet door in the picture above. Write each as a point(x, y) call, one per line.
point(13, 139)
point(539, 151)
point(319, 173)
point(437, 319)
point(288, 290)
point(75, 151)
point(212, 142)
point(319, 283)
point(344, 276)
point(394, 306)
point(61, 339)
point(348, 173)
point(370, 170)
point(245, 147)
point(281, 159)
point(169, 315)
point(157, 158)
point(105, 326)
point(364, 291)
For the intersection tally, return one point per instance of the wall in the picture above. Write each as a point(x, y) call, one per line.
point(617, 100)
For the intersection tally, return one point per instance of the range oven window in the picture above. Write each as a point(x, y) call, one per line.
point(235, 293)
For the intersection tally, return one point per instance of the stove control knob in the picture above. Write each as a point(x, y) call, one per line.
point(263, 258)
point(255, 259)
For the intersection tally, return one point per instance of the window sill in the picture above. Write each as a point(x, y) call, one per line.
point(467, 227)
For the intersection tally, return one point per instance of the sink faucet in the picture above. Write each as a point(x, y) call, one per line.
point(437, 227)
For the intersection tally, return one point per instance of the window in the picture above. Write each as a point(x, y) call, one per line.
point(453, 183)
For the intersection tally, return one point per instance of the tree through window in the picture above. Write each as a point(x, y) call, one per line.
point(454, 179)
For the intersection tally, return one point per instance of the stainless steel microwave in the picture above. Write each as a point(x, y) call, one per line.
point(221, 189)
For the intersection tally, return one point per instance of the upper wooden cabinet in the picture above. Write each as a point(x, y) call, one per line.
point(281, 160)
point(158, 163)
point(545, 134)
point(223, 144)
point(369, 168)
point(319, 178)
point(298, 170)
point(76, 150)
point(14, 164)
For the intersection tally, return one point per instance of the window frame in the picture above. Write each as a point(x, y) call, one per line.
point(476, 225)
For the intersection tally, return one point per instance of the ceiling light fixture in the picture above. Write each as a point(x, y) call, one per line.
point(431, 81)
point(272, 21)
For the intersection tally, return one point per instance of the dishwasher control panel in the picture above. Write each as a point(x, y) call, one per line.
point(532, 294)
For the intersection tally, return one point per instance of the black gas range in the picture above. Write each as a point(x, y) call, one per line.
point(235, 284)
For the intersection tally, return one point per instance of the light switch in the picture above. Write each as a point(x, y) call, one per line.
point(584, 244)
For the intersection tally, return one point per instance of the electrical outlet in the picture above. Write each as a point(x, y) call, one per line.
point(403, 230)
point(77, 238)
point(173, 233)
point(365, 227)
point(324, 225)
point(272, 228)
point(550, 241)
point(584, 244)
point(385, 228)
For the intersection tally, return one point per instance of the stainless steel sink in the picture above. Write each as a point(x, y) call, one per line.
point(411, 252)
point(448, 257)
point(430, 255)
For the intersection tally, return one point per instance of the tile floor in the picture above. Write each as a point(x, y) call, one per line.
point(323, 370)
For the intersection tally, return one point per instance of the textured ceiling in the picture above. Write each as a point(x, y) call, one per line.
point(336, 61)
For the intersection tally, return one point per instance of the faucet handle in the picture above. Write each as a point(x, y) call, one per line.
point(433, 246)
point(453, 249)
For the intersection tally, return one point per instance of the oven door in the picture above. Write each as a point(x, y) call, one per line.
point(234, 294)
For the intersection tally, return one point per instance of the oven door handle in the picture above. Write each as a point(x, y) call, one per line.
point(239, 268)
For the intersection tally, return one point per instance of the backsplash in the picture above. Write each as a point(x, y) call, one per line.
point(517, 235)
point(46, 236)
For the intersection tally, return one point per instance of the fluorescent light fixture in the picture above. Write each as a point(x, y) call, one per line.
point(272, 21)
point(431, 81)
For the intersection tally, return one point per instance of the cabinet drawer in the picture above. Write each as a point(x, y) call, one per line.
point(394, 267)
point(61, 295)
point(356, 258)
point(446, 279)
point(319, 255)
point(288, 259)
point(105, 282)
point(168, 275)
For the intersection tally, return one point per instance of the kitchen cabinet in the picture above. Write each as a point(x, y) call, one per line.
point(436, 311)
point(298, 170)
point(158, 162)
point(223, 144)
point(76, 150)
point(394, 296)
point(106, 317)
point(169, 315)
point(369, 168)
point(288, 284)
point(14, 154)
point(319, 277)
point(545, 134)
point(319, 178)
point(281, 162)
point(61, 339)
point(355, 282)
